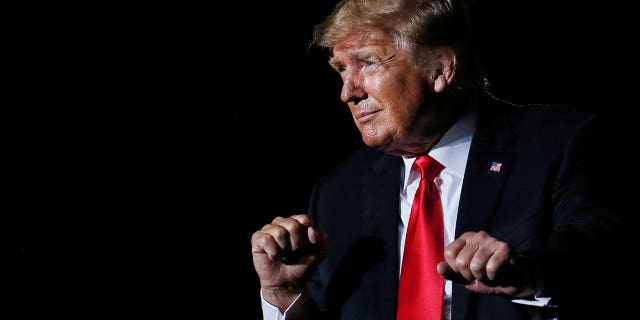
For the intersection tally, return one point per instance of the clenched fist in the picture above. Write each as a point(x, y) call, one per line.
point(488, 266)
point(286, 252)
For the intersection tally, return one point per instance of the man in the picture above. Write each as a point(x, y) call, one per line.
point(516, 213)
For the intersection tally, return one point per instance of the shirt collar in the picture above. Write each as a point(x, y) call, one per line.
point(452, 150)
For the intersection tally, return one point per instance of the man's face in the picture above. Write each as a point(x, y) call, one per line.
point(385, 90)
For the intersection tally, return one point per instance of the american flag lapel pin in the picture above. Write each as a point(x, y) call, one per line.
point(495, 167)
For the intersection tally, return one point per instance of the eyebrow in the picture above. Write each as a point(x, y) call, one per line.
point(334, 63)
point(360, 55)
point(357, 55)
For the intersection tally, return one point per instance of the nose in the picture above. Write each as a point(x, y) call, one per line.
point(352, 89)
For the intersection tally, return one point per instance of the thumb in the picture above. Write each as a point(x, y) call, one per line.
point(319, 239)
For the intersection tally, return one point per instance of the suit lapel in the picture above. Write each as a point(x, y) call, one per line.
point(483, 185)
point(380, 220)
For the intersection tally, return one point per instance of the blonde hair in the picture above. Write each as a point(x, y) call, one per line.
point(411, 23)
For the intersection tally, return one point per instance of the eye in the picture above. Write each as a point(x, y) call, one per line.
point(337, 65)
point(339, 68)
point(370, 63)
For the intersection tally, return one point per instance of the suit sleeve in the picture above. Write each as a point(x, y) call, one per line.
point(585, 223)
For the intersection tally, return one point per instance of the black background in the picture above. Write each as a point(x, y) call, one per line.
point(169, 134)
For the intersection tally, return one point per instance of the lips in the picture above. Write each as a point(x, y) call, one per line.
point(364, 116)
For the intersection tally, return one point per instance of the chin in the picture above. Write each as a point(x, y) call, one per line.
point(377, 142)
point(388, 144)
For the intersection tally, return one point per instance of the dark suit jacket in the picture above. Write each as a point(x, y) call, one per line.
point(543, 202)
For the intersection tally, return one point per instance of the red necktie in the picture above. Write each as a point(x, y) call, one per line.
point(421, 287)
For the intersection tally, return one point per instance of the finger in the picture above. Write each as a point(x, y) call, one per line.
point(451, 252)
point(298, 237)
point(498, 260)
point(318, 238)
point(445, 270)
point(303, 219)
point(280, 235)
point(463, 260)
point(478, 263)
point(264, 243)
point(314, 235)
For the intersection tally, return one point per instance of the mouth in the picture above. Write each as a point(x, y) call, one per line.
point(366, 116)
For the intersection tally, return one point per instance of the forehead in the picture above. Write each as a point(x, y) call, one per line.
point(365, 37)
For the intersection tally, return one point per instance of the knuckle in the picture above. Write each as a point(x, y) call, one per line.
point(467, 234)
point(280, 232)
point(448, 253)
point(260, 239)
point(256, 235)
point(475, 267)
point(257, 238)
point(503, 246)
point(492, 268)
point(303, 219)
point(292, 227)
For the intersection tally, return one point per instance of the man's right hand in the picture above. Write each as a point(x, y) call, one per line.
point(286, 252)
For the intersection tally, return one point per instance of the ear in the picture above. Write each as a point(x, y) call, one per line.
point(445, 72)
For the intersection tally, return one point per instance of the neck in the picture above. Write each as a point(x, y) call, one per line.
point(435, 122)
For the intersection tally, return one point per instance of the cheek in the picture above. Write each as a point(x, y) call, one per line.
point(377, 83)
point(406, 96)
point(397, 96)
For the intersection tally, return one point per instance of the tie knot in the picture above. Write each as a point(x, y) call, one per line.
point(429, 167)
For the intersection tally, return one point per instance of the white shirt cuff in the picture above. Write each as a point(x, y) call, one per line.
point(271, 312)
point(536, 301)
